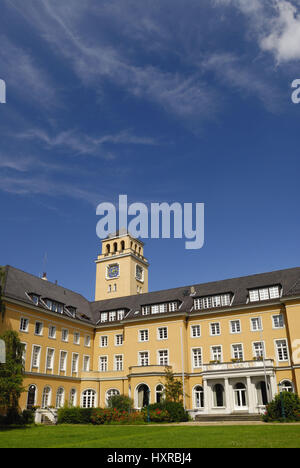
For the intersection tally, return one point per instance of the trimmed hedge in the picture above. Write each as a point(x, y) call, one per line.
point(74, 415)
point(175, 411)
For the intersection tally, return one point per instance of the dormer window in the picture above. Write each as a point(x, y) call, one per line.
point(54, 306)
point(72, 311)
point(160, 308)
point(210, 302)
point(35, 298)
point(263, 294)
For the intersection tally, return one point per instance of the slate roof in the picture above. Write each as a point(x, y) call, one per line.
point(18, 283)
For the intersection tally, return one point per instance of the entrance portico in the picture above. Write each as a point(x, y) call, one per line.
point(239, 387)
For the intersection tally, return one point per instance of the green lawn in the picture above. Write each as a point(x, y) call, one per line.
point(269, 436)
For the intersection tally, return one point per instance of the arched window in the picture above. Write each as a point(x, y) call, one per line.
point(142, 396)
point(46, 398)
point(262, 394)
point(110, 393)
point(240, 395)
point(88, 399)
point(115, 247)
point(286, 386)
point(218, 392)
point(159, 393)
point(122, 245)
point(198, 397)
point(108, 248)
point(60, 397)
point(73, 397)
point(31, 396)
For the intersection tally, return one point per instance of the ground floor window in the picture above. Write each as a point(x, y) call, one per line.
point(286, 386)
point(73, 395)
point(159, 393)
point(262, 394)
point(110, 393)
point(198, 397)
point(31, 396)
point(88, 399)
point(46, 398)
point(143, 396)
point(60, 398)
point(240, 395)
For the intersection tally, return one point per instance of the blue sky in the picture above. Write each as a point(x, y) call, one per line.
point(165, 100)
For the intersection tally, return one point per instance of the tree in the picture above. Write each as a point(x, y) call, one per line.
point(11, 373)
point(173, 387)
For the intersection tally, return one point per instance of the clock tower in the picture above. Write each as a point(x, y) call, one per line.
point(121, 268)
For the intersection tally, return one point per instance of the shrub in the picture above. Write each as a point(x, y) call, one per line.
point(74, 415)
point(114, 416)
point(291, 403)
point(120, 402)
point(14, 418)
point(175, 411)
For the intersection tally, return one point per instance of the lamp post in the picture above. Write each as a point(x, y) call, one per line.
point(282, 401)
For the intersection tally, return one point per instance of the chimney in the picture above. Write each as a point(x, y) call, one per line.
point(44, 277)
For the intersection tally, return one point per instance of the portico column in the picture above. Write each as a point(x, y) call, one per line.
point(250, 392)
point(206, 396)
point(273, 386)
point(228, 398)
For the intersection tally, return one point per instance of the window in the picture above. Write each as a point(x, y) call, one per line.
point(86, 363)
point(36, 354)
point(76, 338)
point(210, 302)
point(64, 335)
point(286, 386)
point(87, 341)
point(73, 397)
point(88, 399)
point(197, 357)
point(261, 392)
point(119, 340)
point(72, 311)
point(34, 298)
point(278, 321)
point(52, 332)
point(63, 361)
point(263, 294)
point(103, 363)
point(139, 273)
point(159, 393)
point(173, 306)
point(162, 333)
point(256, 324)
point(216, 353)
point(120, 314)
point(198, 397)
point(38, 330)
point(24, 353)
point(24, 323)
point(282, 350)
point(215, 329)
point(104, 317)
point(50, 359)
point(110, 393)
point(240, 395)
point(258, 350)
point(112, 316)
point(195, 331)
point(103, 341)
point(46, 397)
point(143, 335)
point(75, 360)
point(237, 351)
point(163, 357)
point(235, 326)
point(143, 358)
point(119, 362)
point(145, 310)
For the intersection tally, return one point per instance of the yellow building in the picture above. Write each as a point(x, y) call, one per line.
point(233, 342)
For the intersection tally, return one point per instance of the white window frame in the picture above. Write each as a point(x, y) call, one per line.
point(163, 330)
point(86, 363)
point(141, 332)
point(195, 327)
point(218, 324)
point(260, 322)
point(42, 328)
point(220, 354)
point(233, 351)
point(24, 319)
point(117, 338)
point(87, 340)
point(276, 316)
point(76, 334)
point(74, 368)
point(277, 350)
point(198, 348)
point(64, 335)
point(232, 331)
point(63, 368)
point(161, 359)
point(105, 367)
point(117, 366)
point(263, 349)
point(103, 338)
point(141, 358)
point(53, 328)
point(38, 361)
point(51, 367)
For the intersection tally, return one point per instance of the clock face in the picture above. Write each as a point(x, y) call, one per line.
point(139, 273)
point(113, 271)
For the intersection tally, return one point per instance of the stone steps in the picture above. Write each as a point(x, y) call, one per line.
point(46, 421)
point(227, 417)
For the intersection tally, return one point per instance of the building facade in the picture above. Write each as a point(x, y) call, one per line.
point(234, 343)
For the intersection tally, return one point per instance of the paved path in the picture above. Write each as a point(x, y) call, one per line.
point(230, 423)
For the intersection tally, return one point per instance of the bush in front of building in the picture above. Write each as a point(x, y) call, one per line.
point(291, 404)
point(120, 402)
point(14, 417)
point(74, 415)
point(114, 416)
point(175, 410)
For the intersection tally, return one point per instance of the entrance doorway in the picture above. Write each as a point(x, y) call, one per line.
point(31, 397)
point(143, 396)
